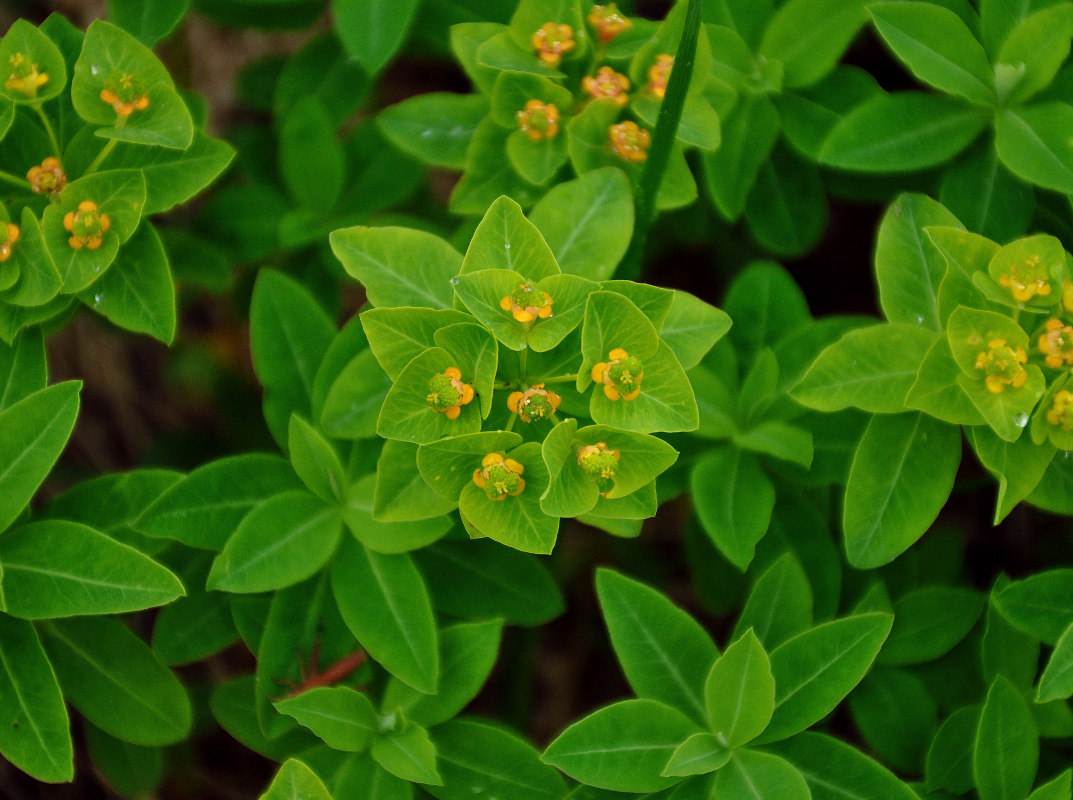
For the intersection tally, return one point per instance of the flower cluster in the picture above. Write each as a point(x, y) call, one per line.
point(9, 234)
point(659, 74)
point(1027, 279)
point(620, 375)
point(1002, 366)
point(24, 75)
point(522, 304)
point(1059, 413)
point(49, 178)
point(1056, 344)
point(552, 41)
point(599, 462)
point(629, 142)
point(538, 120)
point(87, 226)
point(607, 84)
point(534, 403)
point(124, 93)
point(608, 22)
point(447, 393)
point(499, 477)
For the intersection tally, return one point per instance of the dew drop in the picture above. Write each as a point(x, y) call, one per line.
point(427, 134)
point(523, 347)
point(506, 246)
point(94, 69)
point(1021, 420)
point(1066, 454)
point(96, 267)
point(920, 318)
point(96, 299)
point(454, 281)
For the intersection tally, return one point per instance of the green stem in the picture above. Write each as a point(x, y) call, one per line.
point(510, 423)
point(15, 180)
point(119, 123)
point(659, 154)
point(52, 140)
point(559, 379)
point(522, 356)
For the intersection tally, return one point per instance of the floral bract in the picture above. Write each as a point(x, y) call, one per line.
point(49, 178)
point(87, 226)
point(447, 393)
point(1002, 365)
point(9, 234)
point(1057, 344)
point(599, 462)
point(539, 120)
point(607, 84)
point(552, 41)
point(23, 76)
point(499, 477)
point(620, 375)
point(629, 142)
point(522, 303)
point(124, 93)
point(534, 403)
point(1027, 279)
point(1059, 413)
point(608, 22)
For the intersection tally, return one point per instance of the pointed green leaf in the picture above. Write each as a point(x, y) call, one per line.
point(779, 605)
point(409, 755)
point(1041, 604)
point(344, 718)
point(733, 498)
point(1056, 682)
point(700, 754)
point(1032, 142)
point(755, 775)
point(315, 461)
point(296, 781)
point(1006, 752)
point(740, 692)
point(835, 771)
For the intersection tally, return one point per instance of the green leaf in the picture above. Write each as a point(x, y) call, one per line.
point(835, 771)
point(205, 508)
point(664, 652)
point(1006, 650)
point(447, 466)
point(505, 239)
point(692, 328)
point(406, 414)
point(384, 602)
point(700, 754)
point(937, 391)
point(809, 115)
point(896, 716)
point(1056, 682)
point(779, 604)
point(902, 132)
point(475, 579)
point(280, 542)
point(1061, 788)
point(409, 755)
point(767, 304)
point(344, 718)
point(23, 369)
point(1006, 752)
point(949, 759)
point(754, 775)
point(983, 193)
point(36, 430)
point(488, 174)
point(312, 161)
point(436, 128)
point(928, 622)
point(740, 692)
point(1040, 604)
point(55, 568)
point(289, 334)
point(113, 679)
point(194, 627)
point(44, 56)
point(1033, 144)
point(909, 267)
point(137, 292)
point(315, 461)
point(36, 737)
point(392, 537)
point(477, 758)
point(1019, 466)
point(816, 669)
point(397, 335)
point(786, 211)
point(733, 498)
point(622, 747)
point(148, 20)
point(870, 368)
point(749, 134)
point(1035, 50)
point(938, 48)
point(296, 781)
point(361, 775)
point(536, 161)
point(373, 30)
point(666, 402)
point(901, 476)
point(965, 254)
point(399, 266)
point(468, 653)
point(38, 278)
point(109, 53)
point(401, 494)
point(587, 222)
point(129, 769)
point(779, 440)
point(809, 36)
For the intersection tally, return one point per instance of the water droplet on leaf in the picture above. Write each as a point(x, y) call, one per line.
point(1021, 420)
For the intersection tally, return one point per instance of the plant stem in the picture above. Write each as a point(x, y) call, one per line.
point(120, 122)
point(15, 180)
point(670, 114)
point(522, 355)
point(52, 140)
point(510, 423)
point(559, 379)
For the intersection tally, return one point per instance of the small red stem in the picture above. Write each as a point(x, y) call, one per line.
point(338, 671)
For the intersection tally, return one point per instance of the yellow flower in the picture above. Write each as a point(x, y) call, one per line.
point(538, 120)
point(499, 477)
point(552, 41)
point(534, 403)
point(521, 303)
point(87, 226)
point(658, 75)
point(9, 234)
point(1027, 279)
point(608, 22)
point(629, 142)
point(1002, 365)
point(1067, 295)
point(49, 178)
point(23, 76)
point(124, 93)
point(1057, 344)
point(620, 375)
point(607, 84)
point(599, 462)
point(1059, 412)
point(447, 393)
